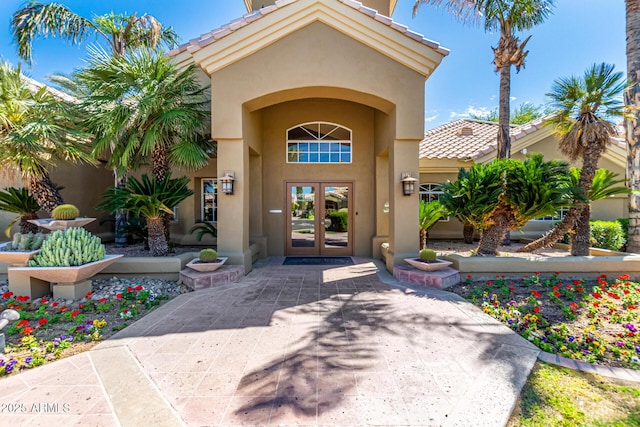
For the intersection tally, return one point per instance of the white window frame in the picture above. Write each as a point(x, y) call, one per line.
point(320, 141)
point(559, 216)
point(428, 193)
point(204, 203)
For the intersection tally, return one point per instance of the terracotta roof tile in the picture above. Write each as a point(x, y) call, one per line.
point(467, 139)
point(212, 36)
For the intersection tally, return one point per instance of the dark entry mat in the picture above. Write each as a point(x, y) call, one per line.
point(318, 260)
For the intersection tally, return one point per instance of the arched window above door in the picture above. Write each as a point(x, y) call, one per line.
point(319, 142)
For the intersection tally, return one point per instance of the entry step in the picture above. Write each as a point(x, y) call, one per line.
point(203, 280)
point(439, 279)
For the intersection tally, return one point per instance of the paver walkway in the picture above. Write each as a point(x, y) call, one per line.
point(288, 346)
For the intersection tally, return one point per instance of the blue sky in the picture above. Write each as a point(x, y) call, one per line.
point(579, 33)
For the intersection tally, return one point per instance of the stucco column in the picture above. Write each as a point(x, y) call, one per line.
point(404, 237)
point(233, 209)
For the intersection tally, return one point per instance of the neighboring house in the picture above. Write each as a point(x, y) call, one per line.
point(462, 143)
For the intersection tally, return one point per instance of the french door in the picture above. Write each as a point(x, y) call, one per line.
point(319, 218)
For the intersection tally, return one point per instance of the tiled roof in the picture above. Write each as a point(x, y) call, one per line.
point(461, 139)
point(206, 39)
point(468, 139)
point(35, 86)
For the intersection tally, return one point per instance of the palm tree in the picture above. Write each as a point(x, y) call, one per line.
point(632, 99)
point(505, 194)
point(119, 31)
point(430, 214)
point(149, 198)
point(156, 110)
point(508, 17)
point(584, 107)
point(37, 130)
point(19, 201)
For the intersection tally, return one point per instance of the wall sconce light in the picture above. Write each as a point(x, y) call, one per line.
point(227, 182)
point(408, 183)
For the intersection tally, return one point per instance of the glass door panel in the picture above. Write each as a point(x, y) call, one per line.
point(336, 218)
point(302, 219)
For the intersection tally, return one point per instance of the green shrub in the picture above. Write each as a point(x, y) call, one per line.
point(428, 255)
point(607, 235)
point(208, 255)
point(624, 223)
point(339, 221)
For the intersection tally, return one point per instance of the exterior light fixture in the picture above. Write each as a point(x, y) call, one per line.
point(227, 182)
point(408, 183)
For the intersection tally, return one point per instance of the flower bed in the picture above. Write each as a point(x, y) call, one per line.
point(594, 321)
point(50, 329)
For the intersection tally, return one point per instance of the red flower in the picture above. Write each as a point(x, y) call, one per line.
point(469, 276)
point(577, 282)
point(44, 300)
point(27, 330)
point(43, 322)
point(22, 323)
point(7, 295)
point(63, 308)
point(129, 289)
point(88, 294)
point(595, 304)
point(631, 307)
point(624, 277)
point(102, 300)
point(22, 298)
point(580, 289)
point(555, 288)
point(138, 288)
point(597, 295)
point(557, 294)
point(119, 296)
point(626, 291)
point(573, 305)
point(74, 313)
point(536, 309)
point(81, 306)
point(125, 311)
point(54, 304)
point(557, 273)
point(537, 273)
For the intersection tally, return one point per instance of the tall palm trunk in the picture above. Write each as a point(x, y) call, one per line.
point(504, 139)
point(157, 241)
point(580, 239)
point(590, 160)
point(159, 169)
point(632, 98)
point(45, 192)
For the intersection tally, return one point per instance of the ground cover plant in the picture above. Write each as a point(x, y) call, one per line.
point(594, 321)
point(555, 396)
point(48, 330)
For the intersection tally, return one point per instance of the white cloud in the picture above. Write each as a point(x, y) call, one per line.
point(513, 98)
point(470, 111)
point(493, 97)
point(431, 118)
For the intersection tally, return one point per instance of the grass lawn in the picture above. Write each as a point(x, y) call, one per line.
point(555, 396)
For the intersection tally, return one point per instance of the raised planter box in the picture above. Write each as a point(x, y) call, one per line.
point(196, 265)
point(428, 266)
point(15, 257)
point(54, 224)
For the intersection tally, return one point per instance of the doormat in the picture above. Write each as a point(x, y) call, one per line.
point(318, 260)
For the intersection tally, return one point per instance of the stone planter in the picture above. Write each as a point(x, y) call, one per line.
point(428, 266)
point(71, 282)
point(54, 224)
point(196, 265)
point(15, 257)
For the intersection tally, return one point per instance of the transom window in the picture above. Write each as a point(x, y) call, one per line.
point(209, 200)
point(319, 142)
point(430, 193)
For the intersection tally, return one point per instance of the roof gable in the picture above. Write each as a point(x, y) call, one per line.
point(244, 36)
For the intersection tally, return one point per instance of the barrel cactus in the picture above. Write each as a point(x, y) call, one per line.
point(65, 212)
point(26, 242)
point(70, 247)
point(208, 255)
point(428, 255)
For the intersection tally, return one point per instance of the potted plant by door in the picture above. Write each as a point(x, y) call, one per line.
point(207, 260)
point(428, 261)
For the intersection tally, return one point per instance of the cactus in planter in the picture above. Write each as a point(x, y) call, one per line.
point(70, 247)
point(208, 255)
point(428, 255)
point(26, 242)
point(65, 212)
